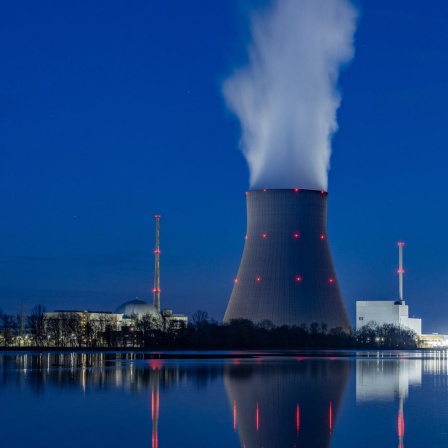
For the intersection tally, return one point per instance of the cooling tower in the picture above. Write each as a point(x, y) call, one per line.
point(286, 273)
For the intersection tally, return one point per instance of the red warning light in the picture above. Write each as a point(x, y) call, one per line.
point(331, 280)
point(246, 237)
point(296, 235)
point(157, 251)
point(247, 193)
point(401, 244)
point(265, 235)
point(265, 190)
point(400, 271)
point(296, 190)
point(236, 280)
point(258, 279)
point(299, 279)
point(322, 237)
point(322, 192)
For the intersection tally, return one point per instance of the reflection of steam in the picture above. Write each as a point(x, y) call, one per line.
point(286, 405)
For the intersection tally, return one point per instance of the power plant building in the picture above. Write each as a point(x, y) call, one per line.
point(386, 312)
point(286, 273)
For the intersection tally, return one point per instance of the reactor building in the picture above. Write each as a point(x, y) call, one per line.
point(286, 273)
point(391, 312)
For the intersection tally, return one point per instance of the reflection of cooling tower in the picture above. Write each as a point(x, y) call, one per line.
point(286, 273)
point(286, 405)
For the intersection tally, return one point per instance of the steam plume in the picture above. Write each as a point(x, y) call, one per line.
point(287, 97)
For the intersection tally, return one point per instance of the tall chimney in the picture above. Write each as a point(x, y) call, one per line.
point(400, 270)
point(156, 289)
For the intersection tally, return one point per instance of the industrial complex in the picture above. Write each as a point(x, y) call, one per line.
point(286, 277)
point(392, 312)
point(127, 314)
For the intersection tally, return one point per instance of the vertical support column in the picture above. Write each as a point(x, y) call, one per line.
point(156, 289)
point(400, 270)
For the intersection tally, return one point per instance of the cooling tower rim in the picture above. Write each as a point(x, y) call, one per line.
point(293, 190)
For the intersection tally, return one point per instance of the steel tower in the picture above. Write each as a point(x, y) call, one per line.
point(156, 289)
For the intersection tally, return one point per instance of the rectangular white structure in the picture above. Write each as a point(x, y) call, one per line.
point(386, 312)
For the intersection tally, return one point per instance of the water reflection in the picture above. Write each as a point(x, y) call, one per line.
point(388, 379)
point(287, 405)
point(132, 373)
point(251, 403)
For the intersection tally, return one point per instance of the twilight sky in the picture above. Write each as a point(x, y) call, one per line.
point(112, 112)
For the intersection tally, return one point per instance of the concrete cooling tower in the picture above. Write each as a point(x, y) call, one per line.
point(286, 273)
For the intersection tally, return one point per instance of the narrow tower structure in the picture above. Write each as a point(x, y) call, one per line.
point(156, 289)
point(286, 273)
point(400, 270)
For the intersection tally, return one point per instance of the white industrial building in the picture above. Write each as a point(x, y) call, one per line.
point(394, 312)
point(386, 312)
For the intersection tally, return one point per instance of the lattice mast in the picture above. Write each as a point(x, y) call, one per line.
point(156, 289)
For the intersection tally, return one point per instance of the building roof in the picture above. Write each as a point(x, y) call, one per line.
point(138, 307)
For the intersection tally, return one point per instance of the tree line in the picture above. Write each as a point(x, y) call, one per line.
point(69, 329)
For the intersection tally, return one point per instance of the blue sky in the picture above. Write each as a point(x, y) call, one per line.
point(112, 112)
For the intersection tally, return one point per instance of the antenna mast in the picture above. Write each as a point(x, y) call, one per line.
point(156, 289)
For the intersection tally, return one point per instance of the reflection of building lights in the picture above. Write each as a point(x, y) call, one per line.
point(298, 418)
point(331, 417)
point(155, 417)
point(156, 364)
point(400, 425)
point(234, 415)
point(257, 418)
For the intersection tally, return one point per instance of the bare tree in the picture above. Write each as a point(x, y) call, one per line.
point(36, 324)
point(8, 325)
point(54, 330)
point(200, 319)
point(147, 326)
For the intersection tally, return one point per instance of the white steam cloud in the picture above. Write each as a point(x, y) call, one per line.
point(287, 97)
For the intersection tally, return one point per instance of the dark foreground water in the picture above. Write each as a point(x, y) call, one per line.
point(307, 400)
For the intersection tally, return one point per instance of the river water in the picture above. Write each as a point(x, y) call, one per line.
point(241, 399)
